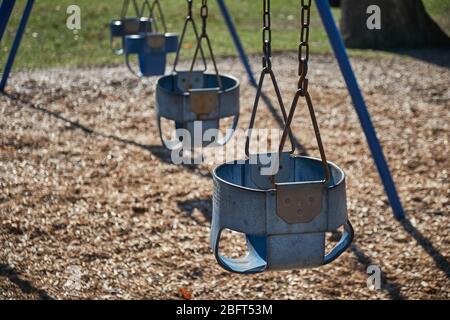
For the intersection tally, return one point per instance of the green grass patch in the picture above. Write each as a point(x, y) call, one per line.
point(48, 42)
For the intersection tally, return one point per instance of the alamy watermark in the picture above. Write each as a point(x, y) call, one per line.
point(374, 279)
point(73, 282)
point(73, 21)
point(374, 19)
point(196, 145)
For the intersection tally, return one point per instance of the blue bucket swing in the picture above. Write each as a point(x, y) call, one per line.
point(195, 98)
point(284, 212)
point(127, 25)
point(150, 45)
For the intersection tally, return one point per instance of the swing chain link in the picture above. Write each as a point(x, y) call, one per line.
point(267, 37)
point(303, 48)
point(267, 70)
point(190, 15)
point(204, 12)
point(303, 57)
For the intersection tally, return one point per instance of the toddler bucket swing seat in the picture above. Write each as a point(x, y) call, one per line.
point(150, 45)
point(195, 97)
point(284, 213)
point(127, 25)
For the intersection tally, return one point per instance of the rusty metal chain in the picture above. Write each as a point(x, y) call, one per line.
point(303, 48)
point(189, 14)
point(267, 36)
point(204, 13)
point(267, 71)
point(189, 20)
point(303, 59)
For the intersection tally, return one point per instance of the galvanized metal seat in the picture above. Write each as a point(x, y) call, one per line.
point(284, 225)
point(204, 101)
point(152, 49)
point(151, 46)
point(192, 98)
point(127, 26)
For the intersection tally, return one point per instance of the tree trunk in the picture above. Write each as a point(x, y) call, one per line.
point(404, 24)
point(335, 3)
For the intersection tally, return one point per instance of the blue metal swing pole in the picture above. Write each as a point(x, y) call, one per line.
point(360, 106)
point(237, 42)
point(6, 9)
point(16, 44)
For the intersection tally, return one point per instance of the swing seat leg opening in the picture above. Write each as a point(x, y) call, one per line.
point(286, 252)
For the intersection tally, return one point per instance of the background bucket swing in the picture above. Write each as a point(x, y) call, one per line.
point(150, 45)
point(286, 213)
point(127, 26)
point(197, 98)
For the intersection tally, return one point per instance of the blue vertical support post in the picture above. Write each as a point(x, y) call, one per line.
point(360, 106)
point(6, 9)
point(237, 42)
point(16, 43)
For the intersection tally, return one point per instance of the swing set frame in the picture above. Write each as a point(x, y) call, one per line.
point(337, 44)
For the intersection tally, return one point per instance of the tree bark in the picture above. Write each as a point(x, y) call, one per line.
point(335, 3)
point(404, 24)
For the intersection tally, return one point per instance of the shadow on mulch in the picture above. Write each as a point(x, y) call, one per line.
point(205, 207)
point(392, 288)
point(160, 152)
point(436, 56)
point(439, 259)
point(25, 286)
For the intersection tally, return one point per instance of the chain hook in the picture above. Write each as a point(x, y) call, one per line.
point(303, 80)
point(267, 58)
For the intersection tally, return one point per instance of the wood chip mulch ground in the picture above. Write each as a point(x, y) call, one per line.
point(92, 207)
